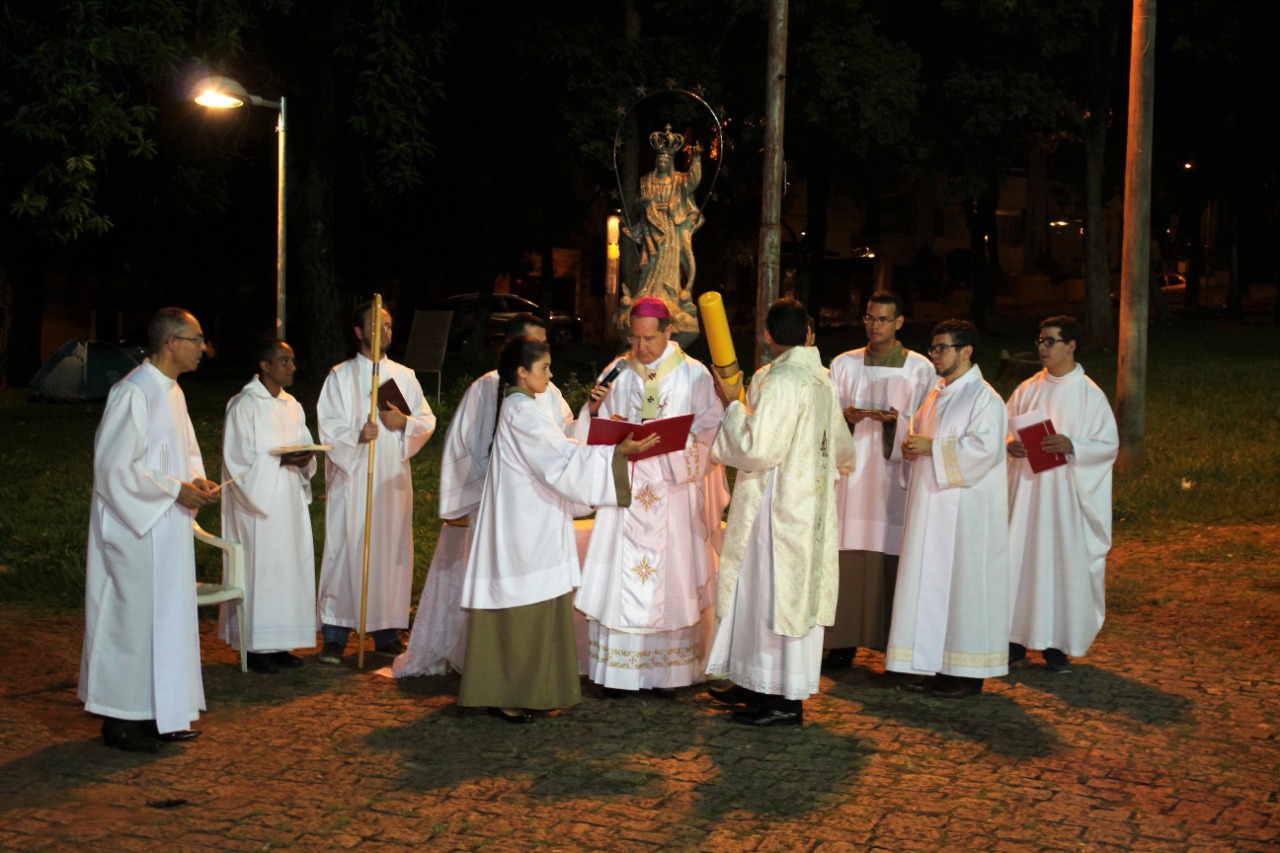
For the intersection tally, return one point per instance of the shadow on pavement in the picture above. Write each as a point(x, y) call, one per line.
point(1090, 687)
point(994, 720)
point(634, 747)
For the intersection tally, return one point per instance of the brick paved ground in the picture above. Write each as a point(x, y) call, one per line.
point(1165, 739)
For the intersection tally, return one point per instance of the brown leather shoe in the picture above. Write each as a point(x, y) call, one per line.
point(956, 687)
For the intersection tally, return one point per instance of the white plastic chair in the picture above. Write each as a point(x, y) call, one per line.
point(232, 590)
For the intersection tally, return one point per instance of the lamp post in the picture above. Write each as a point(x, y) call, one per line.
point(225, 93)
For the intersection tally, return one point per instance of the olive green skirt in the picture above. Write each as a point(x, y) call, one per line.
point(522, 657)
point(864, 607)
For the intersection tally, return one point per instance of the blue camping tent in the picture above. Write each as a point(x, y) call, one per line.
point(81, 370)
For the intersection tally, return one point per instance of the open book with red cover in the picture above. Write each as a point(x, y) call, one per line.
point(1031, 429)
point(674, 433)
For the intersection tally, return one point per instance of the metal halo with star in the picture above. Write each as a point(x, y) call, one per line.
point(618, 141)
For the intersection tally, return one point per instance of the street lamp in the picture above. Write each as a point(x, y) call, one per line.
point(224, 93)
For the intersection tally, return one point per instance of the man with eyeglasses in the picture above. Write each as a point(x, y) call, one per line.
point(140, 665)
point(1060, 518)
point(880, 385)
point(343, 418)
point(649, 573)
point(951, 606)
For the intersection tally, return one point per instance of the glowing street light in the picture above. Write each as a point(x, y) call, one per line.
point(222, 93)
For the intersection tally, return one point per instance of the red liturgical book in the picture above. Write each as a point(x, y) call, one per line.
point(1031, 430)
point(674, 433)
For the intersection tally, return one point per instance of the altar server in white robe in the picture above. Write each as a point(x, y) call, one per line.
point(521, 651)
point(779, 568)
point(343, 416)
point(951, 605)
point(1060, 519)
point(265, 510)
point(881, 386)
point(140, 664)
point(438, 643)
point(648, 580)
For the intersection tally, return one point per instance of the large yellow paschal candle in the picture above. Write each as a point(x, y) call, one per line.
point(714, 322)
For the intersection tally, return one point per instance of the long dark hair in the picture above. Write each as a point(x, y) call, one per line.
point(516, 353)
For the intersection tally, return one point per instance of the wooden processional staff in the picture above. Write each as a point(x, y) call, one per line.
point(375, 321)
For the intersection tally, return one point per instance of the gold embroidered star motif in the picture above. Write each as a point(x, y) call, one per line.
point(643, 570)
point(647, 497)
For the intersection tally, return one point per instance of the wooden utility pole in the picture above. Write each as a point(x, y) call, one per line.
point(1131, 373)
point(769, 263)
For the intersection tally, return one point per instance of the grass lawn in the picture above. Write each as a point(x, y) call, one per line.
point(1212, 454)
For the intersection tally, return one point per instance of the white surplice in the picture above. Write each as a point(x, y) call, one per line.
point(871, 500)
point(141, 655)
point(951, 606)
point(648, 578)
point(1060, 519)
point(523, 549)
point(779, 567)
point(439, 639)
point(265, 510)
point(342, 411)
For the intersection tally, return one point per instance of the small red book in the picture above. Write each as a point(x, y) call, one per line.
point(1031, 435)
point(674, 433)
point(389, 392)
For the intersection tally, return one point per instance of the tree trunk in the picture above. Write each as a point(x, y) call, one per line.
point(1099, 320)
point(769, 263)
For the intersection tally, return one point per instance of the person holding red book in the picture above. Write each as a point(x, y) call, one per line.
point(1060, 518)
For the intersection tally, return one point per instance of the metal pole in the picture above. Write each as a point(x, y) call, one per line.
point(280, 223)
point(769, 264)
point(1131, 374)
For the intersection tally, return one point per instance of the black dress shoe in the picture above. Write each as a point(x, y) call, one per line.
point(734, 695)
point(956, 687)
point(919, 685)
point(149, 728)
point(839, 659)
point(520, 718)
point(286, 660)
point(259, 662)
point(664, 692)
point(769, 717)
point(612, 693)
point(131, 740)
point(1017, 654)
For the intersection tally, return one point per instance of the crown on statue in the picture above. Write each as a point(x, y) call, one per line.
point(666, 142)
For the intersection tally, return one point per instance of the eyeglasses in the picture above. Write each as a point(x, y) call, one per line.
point(1048, 343)
point(877, 321)
point(652, 339)
point(198, 340)
point(939, 349)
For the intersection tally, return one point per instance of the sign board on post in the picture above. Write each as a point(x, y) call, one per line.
point(427, 340)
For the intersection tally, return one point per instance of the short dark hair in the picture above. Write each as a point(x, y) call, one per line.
point(888, 297)
point(962, 332)
point(167, 324)
point(1068, 327)
point(267, 349)
point(520, 323)
point(788, 322)
point(362, 311)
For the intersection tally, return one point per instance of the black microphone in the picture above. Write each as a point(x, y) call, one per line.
point(612, 374)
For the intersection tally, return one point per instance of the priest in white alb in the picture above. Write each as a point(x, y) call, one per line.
point(438, 642)
point(648, 580)
point(265, 509)
point(343, 419)
point(779, 568)
point(1060, 518)
point(880, 386)
point(951, 606)
point(140, 664)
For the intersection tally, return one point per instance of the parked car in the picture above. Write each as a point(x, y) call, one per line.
point(562, 326)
